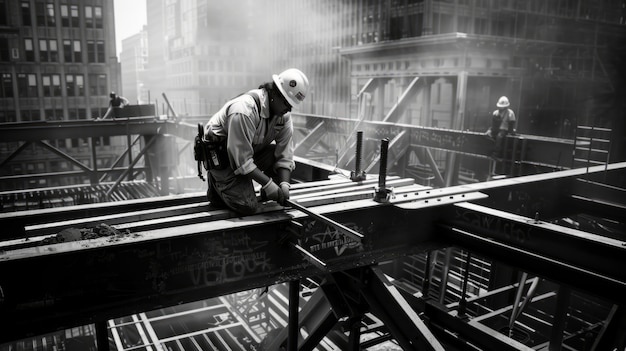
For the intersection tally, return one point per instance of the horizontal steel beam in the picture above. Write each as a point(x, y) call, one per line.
point(81, 282)
point(586, 261)
point(538, 150)
point(188, 260)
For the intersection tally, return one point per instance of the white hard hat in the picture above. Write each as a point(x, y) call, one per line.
point(293, 84)
point(503, 101)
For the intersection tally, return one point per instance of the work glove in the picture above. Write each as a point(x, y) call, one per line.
point(274, 192)
point(285, 186)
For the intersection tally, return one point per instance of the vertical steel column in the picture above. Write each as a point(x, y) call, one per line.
point(426, 282)
point(93, 177)
point(560, 316)
point(102, 336)
point(444, 276)
point(294, 302)
point(463, 301)
point(354, 340)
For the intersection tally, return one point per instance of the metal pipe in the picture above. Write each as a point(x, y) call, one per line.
point(381, 193)
point(518, 297)
point(359, 146)
point(358, 175)
point(294, 302)
point(382, 175)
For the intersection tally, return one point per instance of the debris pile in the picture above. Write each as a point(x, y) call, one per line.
point(75, 234)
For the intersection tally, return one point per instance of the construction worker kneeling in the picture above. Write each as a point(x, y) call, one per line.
point(250, 138)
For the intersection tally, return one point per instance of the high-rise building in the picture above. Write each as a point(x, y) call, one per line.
point(447, 58)
point(201, 52)
point(57, 59)
point(58, 63)
point(134, 62)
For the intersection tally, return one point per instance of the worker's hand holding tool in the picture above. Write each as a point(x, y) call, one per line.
point(274, 192)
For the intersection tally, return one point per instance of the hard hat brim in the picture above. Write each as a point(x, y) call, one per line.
point(503, 105)
point(291, 101)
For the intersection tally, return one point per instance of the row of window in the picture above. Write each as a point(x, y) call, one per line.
point(51, 85)
point(69, 15)
point(49, 50)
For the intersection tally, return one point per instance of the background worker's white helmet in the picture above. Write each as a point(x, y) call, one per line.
point(503, 102)
point(293, 84)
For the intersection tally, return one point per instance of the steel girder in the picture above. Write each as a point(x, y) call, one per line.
point(537, 151)
point(348, 295)
point(81, 282)
point(586, 261)
point(77, 283)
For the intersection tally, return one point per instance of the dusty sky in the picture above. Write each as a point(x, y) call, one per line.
point(130, 16)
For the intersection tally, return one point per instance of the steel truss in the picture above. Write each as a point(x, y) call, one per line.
point(184, 254)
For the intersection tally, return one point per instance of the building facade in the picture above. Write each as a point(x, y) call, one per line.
point(58, 63)
point(58, 59)
point(134, 64)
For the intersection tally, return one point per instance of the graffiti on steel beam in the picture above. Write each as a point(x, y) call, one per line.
point(230, 256)
point(439, 139)
point(494, 226)
point(330, 239)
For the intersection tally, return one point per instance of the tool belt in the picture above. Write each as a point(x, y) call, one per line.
point(211, 152)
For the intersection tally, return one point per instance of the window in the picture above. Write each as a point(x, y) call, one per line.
point(48, 51)
point(69, 85)
point(89, 17)
point(75, 85)
point(46, 83)
point(51, 85)
point(28, 49)
point(26, 14)
point(97, 84)
point(7, 86)
point(53, 50)
point(67, 50)
point(77, 52)
point(97, 10)
point(65, 16)
point(56, 85)
point(45, 14)
point(30, 115)
point(74, 13)
point(43, 50)
point(32, 85)
point(100, 51)
point(80, 85)
point(3, 13)
point(5, 51)
point(91, 51)
point(54, 115)
point(50, 19)
point(27, 85)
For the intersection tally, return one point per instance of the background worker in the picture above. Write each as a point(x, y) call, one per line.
point(502, 123)
point(250, 138)
point(115, 102)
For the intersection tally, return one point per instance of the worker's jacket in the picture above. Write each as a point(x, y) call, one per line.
point(247, 132)
point(504, 121)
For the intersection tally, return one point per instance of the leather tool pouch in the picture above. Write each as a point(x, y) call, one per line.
point(215, 151)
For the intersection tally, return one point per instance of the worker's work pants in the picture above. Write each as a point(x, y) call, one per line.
point(236, 191)
point(499, 145)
